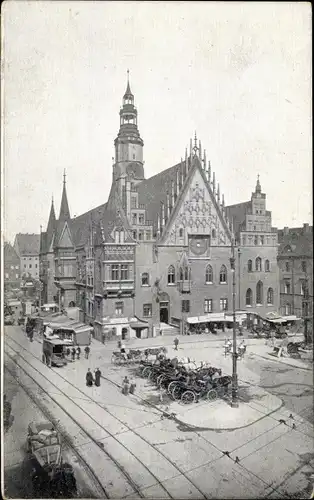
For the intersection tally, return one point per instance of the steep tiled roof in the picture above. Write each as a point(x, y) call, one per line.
point(27, 244)
point(153, 191)
point(236, 213)
point(80, 226)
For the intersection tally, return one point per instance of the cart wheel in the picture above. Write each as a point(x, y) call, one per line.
point(212, 395)
point(171, 386)
point(176, 392)
point(152, 376)
point(160, 380)
point(146, 372)
point(188, 397)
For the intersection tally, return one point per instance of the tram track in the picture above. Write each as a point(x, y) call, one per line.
point(64, 435)
point(169, 462)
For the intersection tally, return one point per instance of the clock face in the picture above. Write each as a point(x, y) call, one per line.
point(198, 245)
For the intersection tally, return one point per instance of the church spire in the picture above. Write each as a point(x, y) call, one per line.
point(64, 207)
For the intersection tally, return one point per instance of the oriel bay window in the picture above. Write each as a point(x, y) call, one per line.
point(119, 308)
point(119, 272)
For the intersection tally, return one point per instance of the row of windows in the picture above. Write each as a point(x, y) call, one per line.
point(185, 307)
point(7, 276)
point(288, 266)
point(259, 295)
point(185, 274)
point(30, 258)
point(14, 267)
point(302, 287)
point(29, 266)
point(258, 265)
point(139, 235)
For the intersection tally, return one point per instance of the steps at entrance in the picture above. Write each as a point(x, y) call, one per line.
point(168, 329)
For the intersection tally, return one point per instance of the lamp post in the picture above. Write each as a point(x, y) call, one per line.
point(234, 393)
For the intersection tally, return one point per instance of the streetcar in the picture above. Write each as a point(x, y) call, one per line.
point(54, 351)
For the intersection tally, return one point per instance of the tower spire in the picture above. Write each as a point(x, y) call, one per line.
point(128, 89)
point(258, 188)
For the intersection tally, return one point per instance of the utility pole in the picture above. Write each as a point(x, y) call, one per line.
point(234, 402)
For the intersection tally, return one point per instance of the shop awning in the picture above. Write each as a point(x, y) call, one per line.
point(208, 318)
point(284, 319)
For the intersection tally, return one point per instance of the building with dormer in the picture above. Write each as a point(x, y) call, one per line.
point(158, 251)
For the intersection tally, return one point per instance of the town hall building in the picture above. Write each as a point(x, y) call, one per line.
point(158, 252)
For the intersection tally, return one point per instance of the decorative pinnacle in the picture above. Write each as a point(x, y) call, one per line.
point(64, 177)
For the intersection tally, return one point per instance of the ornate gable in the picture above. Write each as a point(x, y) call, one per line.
point(197, 220)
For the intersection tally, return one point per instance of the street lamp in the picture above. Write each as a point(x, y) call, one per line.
point(234, 391)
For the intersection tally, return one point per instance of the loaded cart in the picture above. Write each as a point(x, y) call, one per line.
point(49, 469)
point(54, 351)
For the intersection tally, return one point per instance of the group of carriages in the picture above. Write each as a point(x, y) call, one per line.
point(185, 384)
point(135, 355)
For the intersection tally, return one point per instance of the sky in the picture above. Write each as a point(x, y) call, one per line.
point(237, 73)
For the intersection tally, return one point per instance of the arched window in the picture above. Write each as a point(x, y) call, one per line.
point(223, 274)
point(270, 296)
point(249, 297)
point(259, 293)
point(145, 279)
point(267, 266)
point(181, 274)
point(209, 274)
point(249, 266)
point(181, 232)
point(171, 275)
point(258, 264)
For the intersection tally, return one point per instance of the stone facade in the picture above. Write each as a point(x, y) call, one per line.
point(295, 262)
point(27, 248)
point(159, 250)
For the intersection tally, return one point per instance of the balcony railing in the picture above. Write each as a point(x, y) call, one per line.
point(184, 286)
point(111, 285)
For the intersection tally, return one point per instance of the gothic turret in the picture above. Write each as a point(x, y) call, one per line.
point(52, 222)
point(128, 144)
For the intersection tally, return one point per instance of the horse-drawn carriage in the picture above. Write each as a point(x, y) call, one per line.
point(50, 472)
point(136, 355)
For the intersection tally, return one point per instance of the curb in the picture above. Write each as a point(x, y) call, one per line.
point(278, 360)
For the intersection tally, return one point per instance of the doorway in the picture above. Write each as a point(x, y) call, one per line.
point(164, 312)
point(124, 333)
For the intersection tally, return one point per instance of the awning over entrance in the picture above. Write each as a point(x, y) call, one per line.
point(138, 324)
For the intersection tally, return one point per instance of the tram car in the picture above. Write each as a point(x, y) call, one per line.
point(54, 351)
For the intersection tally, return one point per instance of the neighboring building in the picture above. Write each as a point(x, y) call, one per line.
point(27, 248)
point(159, 250)
point(257, 270)
point(295, 261)
point(11, 267)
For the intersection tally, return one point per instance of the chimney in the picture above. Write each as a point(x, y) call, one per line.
point(285, 231)
point(306, 228)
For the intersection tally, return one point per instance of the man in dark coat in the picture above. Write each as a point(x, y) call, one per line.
point(87, 351)
point(89, 378)
point(97, 377)
point(176, 343)
point(78, 352)
point(73, 352)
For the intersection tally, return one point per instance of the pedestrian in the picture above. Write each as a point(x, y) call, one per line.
point(78, 352)
point(176, 343)
point(132, 387)
point(103, 338)
point(125, 386)
point(119, 344)
point(73, 352)
point(87, 351)
point(97, 377)
point(68, 352)
point(122, 351)
point(160, 331)
point(89, 378)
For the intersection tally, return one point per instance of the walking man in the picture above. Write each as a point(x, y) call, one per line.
point(78, 352)
point(125, 386)
point(73, 352)
point(97, 377)
point(176, 343)
point(87, 351)
point(89, 378)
